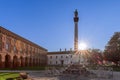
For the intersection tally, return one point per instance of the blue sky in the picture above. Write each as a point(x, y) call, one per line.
point(49, 23)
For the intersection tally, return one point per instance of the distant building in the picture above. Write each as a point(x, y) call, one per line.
point(16, 51)
point(61, 58)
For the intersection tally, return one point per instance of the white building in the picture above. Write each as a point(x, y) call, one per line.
point(61, 58)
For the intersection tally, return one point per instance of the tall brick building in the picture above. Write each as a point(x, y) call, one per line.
point(16, 51)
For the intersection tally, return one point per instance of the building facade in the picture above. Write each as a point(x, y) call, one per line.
point(16, 51)
point(61, 58)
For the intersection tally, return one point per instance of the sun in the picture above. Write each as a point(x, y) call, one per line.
point(82, 46)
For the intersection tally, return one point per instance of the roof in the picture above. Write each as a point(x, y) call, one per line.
point(60, 52)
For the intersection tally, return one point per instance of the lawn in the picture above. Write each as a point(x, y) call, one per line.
point(9, 76)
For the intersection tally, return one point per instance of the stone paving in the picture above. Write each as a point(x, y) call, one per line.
point(42, 75)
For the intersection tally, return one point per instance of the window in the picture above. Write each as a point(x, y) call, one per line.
point(56, 62)
point(21, 51)
point(3, 44)
point(66, 56)
point(14, 49)
point(7, 46)
point(56, 57)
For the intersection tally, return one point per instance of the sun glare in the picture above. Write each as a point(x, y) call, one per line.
point(82, 46)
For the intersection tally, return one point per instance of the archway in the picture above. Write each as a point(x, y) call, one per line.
point(26, 61)
point(15, 61)
point(36, 62)
point(7, 61)
point(21, 61)
point(30, 61)
point(1, 64)
point(33, 61)
point(39, 62)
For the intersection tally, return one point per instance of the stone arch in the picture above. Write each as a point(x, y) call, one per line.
point(30, 61)
point(26, 61)
point(39, 61)
point(7, 61)
point(22, 61)
point(15, 61)
point(1, 64)
point(36, 61)
point(33, 61)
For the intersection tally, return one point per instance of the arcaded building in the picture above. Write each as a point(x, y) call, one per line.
point(16, 51)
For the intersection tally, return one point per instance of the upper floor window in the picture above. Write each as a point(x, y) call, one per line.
point(21, 51)
point(7, 46)
point(3, 45)
point(14, 49)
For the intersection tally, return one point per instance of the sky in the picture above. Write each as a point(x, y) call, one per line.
point(49, 23)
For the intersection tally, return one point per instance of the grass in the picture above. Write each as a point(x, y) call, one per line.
point(5, 76)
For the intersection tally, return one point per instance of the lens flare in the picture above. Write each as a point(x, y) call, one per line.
point(82, 46)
